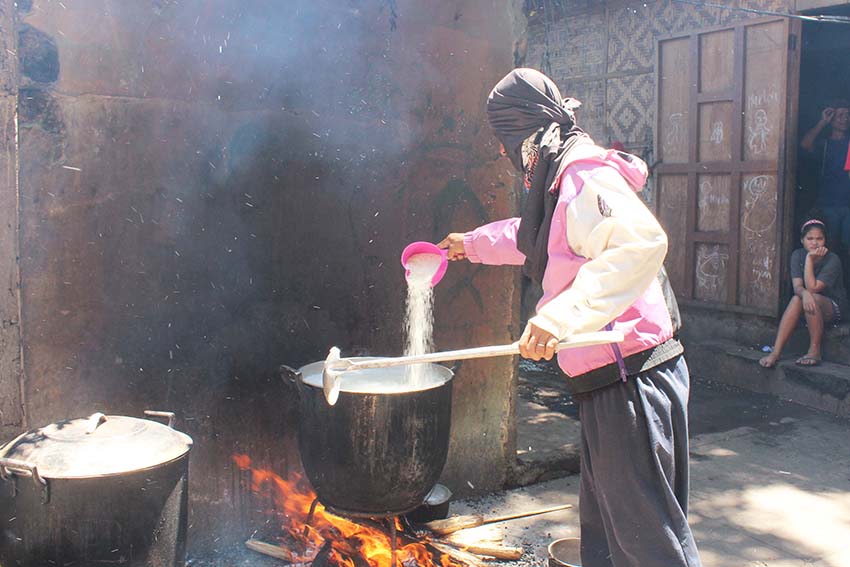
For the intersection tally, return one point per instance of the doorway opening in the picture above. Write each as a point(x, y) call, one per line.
point(824, 81)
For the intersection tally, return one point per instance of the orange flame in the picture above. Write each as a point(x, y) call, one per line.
point(293, 498)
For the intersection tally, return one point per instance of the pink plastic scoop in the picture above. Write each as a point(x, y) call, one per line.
point(416, 248)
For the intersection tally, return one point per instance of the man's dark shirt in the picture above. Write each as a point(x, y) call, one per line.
point(834, 182)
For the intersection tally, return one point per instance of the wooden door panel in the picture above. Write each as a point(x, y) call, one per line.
point(720, 132)
point(758, 268)
point(764, 90)
point(715, 131)
point(717, 61)
point(674, 189)
point(713, 203)
point(673, 101)
point(712, 265)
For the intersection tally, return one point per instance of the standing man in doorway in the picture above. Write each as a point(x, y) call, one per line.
point(833, 192)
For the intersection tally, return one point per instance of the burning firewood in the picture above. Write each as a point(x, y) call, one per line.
point(277, 552)
point(472, 536)
point(490, 550)
point(458, 555)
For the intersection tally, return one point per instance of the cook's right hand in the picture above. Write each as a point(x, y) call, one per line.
point(827, 115)
point(453, 243)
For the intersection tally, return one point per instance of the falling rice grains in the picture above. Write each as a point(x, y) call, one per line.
point(419, 318)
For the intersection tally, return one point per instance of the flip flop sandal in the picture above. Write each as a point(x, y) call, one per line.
point(807, 361)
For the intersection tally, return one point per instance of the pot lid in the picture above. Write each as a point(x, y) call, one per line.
point(100, 445)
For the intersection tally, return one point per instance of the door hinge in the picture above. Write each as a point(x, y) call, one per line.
point(792, 42)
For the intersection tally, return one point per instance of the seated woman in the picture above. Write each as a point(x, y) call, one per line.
point(818, 293)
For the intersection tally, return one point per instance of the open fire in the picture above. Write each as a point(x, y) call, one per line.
point(337, 541)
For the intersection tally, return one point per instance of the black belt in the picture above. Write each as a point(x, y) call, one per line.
point(635, 364)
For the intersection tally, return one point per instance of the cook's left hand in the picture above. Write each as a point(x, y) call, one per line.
point(535, 343)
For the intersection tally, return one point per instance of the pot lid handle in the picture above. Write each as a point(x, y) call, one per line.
point(94, 420)
point(23, 468)
point(168, 414)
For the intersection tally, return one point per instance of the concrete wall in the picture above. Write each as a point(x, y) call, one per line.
point(209, 189)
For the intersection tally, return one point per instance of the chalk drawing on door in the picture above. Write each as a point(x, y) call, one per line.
point(759, 131)
point(711, 269)
point(758, 200)
point(675, 137)
point(716, 133)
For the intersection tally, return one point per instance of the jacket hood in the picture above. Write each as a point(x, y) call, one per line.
point(632, 168)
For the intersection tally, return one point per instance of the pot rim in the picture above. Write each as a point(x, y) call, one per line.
point(76, 449)
point(49, 476)
point(313, 370)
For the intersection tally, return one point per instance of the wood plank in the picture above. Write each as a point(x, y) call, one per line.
point(764, 90)
point(674, 90)
point(763, 111)
point(11, 403)
point(785, 225)
point(737, 141)
point(758, 252)
point(715, 131)
point(693, 129)
point(716, 61)
point(672, 200)
point(713, 203)
point(709, 272)
point(718, 167)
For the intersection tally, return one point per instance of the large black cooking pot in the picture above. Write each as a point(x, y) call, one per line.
point(105, 490)
point(375, 452)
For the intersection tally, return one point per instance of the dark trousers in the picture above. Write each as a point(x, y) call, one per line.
point(634, 472)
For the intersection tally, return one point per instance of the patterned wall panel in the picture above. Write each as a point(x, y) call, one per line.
point(630, 38)
point(630, 108)
point(633, 28)
point(591, 115)
point(576, 46)
point(535, 10)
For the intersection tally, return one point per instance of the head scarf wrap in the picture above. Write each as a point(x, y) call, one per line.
point(527, 103)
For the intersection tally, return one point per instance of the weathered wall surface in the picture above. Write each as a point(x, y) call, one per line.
point(603, 53)
point(212, 189)
point(11, 410)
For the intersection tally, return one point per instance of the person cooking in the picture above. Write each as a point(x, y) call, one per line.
point(595, 248)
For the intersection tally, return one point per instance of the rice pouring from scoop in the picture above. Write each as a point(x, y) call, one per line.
point(419, 315)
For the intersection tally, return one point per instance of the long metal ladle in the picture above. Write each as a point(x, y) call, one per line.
point(335, 366)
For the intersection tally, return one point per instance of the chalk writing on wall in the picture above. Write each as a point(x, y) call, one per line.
point(763, 98)
point(759, 131)
point(757, 200)
point(762, 270)
point(675, 133)
point(717, 133)
point(711, 269)
point(709, 198)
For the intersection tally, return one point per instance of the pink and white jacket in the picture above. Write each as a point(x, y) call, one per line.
point(605, 250)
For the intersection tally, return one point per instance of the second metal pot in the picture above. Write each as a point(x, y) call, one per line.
point(102, 490)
